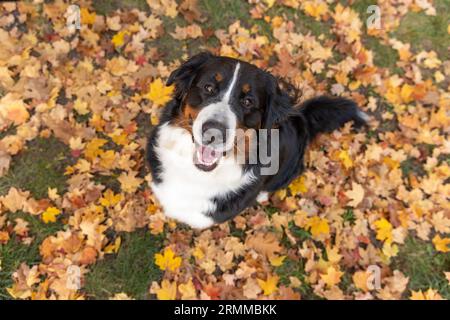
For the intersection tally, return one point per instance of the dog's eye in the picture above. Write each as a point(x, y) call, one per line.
point(247, 102)
point(209, 88)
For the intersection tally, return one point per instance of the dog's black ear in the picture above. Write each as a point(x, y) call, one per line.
point(183, 76)
point(278, 105)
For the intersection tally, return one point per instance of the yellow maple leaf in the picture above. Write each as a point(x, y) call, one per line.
point(107, 159)
point(269, 3)
point(391, 163)
point(332, 277)
point(158, 93)
point(168, 290)
point(113, 247)
point(120, 138)
point(390, 250)
point(317, 226)
point(298, 185)
point(81, 107)
point(167, 260)
point(384, 230)
point(354, 85)
point(430, 294)
point(269, 285)
point(69, 170)
point(187, 290)
point(129, 182)
point(360, 279)
point(97, 122)
point(341, 78)
point(315, 9)
point(198, 253)
point(118, 38)
point(93, 150)
point(277, 261)
point(406, 93)
point(441, 244)
point(87, 17)
point(109, 199)
point(50, 214)
point(345, 159)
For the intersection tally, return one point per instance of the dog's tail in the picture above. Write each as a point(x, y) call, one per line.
point(325, 114)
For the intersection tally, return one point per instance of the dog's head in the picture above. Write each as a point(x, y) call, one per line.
point(218, 96)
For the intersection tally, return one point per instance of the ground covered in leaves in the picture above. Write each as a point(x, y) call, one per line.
point(79, 221)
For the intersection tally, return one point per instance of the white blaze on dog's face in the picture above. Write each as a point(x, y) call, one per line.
point(218, 96)
point(214, 128)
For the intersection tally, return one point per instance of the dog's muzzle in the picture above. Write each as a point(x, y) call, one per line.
point(212, 146)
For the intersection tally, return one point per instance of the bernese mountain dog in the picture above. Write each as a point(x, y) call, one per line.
point(223, 113)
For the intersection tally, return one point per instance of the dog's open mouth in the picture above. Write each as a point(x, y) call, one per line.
point(206, 158)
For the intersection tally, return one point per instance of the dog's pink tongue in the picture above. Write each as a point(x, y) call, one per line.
point(208, 155)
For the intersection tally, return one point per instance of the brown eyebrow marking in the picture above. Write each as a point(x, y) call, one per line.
point(218, 77)
point(186, 118)
point(246, 88)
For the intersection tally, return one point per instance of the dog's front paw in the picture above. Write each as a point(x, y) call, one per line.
point(199, 221)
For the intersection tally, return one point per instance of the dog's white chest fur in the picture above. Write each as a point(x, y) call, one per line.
point(186, 193)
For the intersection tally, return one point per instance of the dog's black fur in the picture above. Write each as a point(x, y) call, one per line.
point(297, 124)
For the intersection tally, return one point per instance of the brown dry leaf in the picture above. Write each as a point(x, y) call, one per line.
point(190, 11)
point(5, 162)
point(163, 7)
point(15, 199)
point(192, 31)
point(356, 194)
point(129, 182)
point(88, 255)
point(251, 289)
point(264, 243)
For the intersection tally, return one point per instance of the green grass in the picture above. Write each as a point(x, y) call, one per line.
point(424, 266)
point(361, 6)
point(39, 167)
point(35, 169)
point(303, 23)
point(131, 271)
point(384, 56)
point(427, 32)
point(412, 165)
point(107, 7)
point(349, 216)
point(291, 268)
point(221, 14)
point(13, 253)
point(423, 32)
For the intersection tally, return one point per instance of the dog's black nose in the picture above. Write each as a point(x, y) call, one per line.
point(213, 132)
